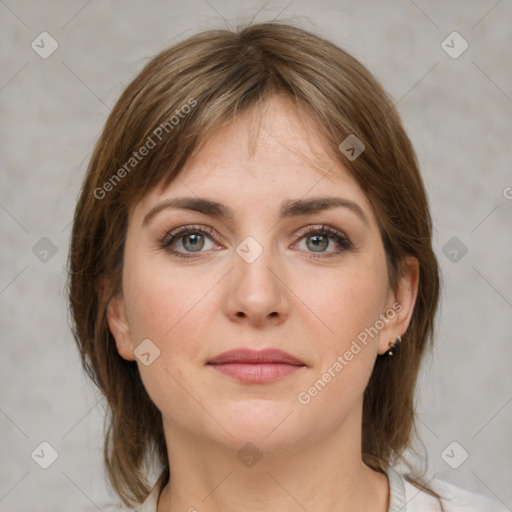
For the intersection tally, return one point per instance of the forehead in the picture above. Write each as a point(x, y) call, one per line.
point(272, 150)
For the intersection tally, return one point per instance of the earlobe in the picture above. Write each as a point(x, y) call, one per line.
point(118, 325)
point(403, 305)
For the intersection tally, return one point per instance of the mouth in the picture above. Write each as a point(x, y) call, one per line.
point(252, 366)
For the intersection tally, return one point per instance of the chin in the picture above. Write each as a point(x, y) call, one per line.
point(269, 425)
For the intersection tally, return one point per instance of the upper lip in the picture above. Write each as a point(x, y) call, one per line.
point(246, 355)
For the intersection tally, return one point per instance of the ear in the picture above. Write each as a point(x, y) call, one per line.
point(400, 304)
point(118, 324)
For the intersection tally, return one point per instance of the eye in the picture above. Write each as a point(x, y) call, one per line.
point(318, 240)
point(190, 239)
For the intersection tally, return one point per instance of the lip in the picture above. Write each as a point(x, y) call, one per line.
point(253, 366)
point(248, 356)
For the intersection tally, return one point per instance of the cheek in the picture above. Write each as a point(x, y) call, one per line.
point(345, 354)
point(347, 304)
point(171, 308)
point(165, 307)
point(347, 301)
point(159, 299)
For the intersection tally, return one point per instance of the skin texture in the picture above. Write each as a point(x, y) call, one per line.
point(194, 309)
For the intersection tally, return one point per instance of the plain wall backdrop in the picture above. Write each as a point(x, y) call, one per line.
point(456, 103)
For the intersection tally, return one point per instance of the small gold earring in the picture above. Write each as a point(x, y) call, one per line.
point(394, 346)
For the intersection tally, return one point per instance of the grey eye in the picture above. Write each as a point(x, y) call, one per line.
point(192, 242)
point(317, 243)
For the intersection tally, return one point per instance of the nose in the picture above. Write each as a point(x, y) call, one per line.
point(256, 291)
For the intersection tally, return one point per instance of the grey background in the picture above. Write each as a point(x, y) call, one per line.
point(458, 113)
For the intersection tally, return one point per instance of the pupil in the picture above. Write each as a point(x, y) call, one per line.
point(319, 241)
point(194, 244)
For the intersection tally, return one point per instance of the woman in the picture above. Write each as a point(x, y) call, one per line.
point(252, 282)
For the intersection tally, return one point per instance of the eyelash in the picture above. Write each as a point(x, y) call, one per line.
point(341, 239)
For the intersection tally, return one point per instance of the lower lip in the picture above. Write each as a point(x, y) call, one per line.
point(257, 372)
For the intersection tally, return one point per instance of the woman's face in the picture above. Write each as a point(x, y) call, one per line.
point(289, 257)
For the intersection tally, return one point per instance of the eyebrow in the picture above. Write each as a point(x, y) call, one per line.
point(289, 208)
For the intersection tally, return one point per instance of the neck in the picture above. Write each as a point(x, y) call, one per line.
point(327, 475)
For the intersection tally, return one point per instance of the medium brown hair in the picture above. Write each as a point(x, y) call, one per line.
point(218, 73)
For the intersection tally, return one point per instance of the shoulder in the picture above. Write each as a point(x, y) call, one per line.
point(453, 498)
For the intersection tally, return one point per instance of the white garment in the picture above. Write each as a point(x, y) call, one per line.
point(405, 497)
